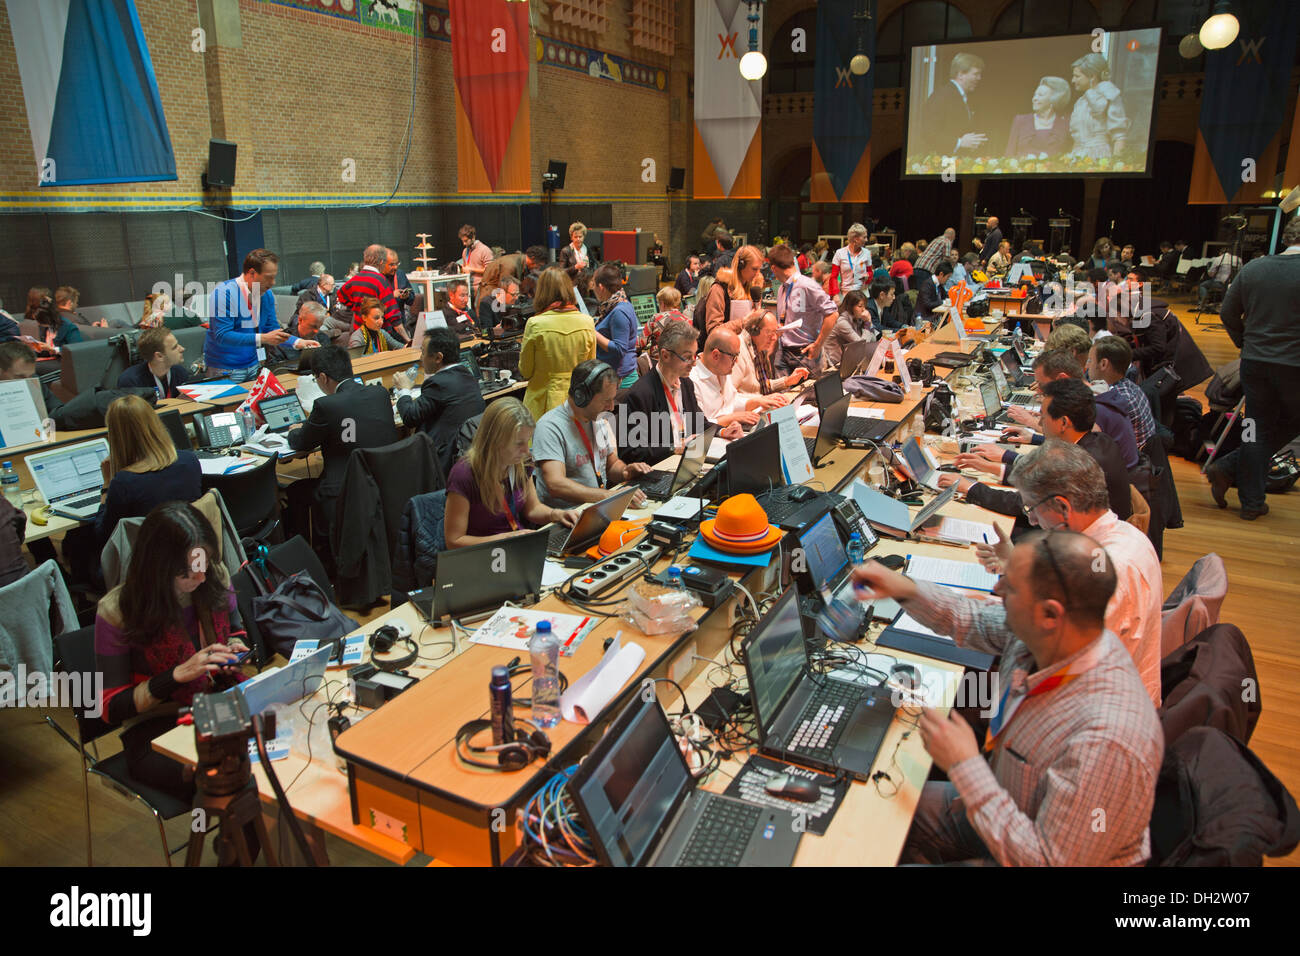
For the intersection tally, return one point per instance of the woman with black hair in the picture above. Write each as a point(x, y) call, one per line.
point(169, 631)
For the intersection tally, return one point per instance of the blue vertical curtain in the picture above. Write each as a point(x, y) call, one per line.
point(108, 124)
point(842, 105)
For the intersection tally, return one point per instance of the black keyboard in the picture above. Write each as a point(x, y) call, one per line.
point(867, 429)
point(556, 539)
point(656, 484)
point(811, 445)
point(722, 834)
point(780, 509)
point(823, 720)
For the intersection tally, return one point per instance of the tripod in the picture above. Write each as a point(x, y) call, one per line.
point(234, 811)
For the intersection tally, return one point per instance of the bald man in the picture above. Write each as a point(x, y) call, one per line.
point(1073, 739)
point(992, 239)
point(715, 386)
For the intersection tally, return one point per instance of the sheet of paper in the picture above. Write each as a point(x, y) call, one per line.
point(856, 412)
point(226, 465)
point(906, 622)
point(207, 391)
point(954, 574)
point(717, 449)
point(588, 695)
point(513, 627)
point(958, 529)
point(20, 422)
point(554, 574)
point(795, 464)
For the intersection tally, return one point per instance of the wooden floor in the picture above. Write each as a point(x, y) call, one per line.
point(42, 820)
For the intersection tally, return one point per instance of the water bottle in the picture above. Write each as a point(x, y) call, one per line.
point(675, 578)
point(250, 426)
point(545, 650)
point(10, 481)
point(855, 550)
point(502, 708)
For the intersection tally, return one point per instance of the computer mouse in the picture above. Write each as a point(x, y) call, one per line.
point(802, 493)
point(793, 788)
point(906, 674)
point(952, 469)
point(895, 562)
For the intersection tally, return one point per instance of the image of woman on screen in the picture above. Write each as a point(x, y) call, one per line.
point(1098, 124)
point(1046, 129)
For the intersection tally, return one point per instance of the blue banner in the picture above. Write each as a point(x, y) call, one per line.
point(842, 105)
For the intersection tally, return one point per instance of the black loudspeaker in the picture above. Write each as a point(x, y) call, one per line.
point(677, 178)
point(555, 171)
point(221, 163)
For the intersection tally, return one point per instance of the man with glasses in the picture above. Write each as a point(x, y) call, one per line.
point(715, 386)
point(375, 281)
point(1066, 772)
point(661, 411)
point(1063, 488)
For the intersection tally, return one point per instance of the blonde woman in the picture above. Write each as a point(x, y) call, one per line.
point(555, 340)
point(156, 306)
point(490, 493)
point(732, 297)
point(574, 257)
point(1098, 125)
point(143, 469)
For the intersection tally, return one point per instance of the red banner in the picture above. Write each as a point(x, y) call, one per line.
point(489, 55)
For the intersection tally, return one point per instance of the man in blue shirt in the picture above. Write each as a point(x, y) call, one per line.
point(243, 324)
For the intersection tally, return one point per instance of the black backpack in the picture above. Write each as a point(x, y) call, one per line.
point(1186, 428)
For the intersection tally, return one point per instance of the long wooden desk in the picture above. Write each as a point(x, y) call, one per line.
point(448, 809)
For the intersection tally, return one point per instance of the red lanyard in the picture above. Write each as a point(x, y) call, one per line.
point(591, 454)
point(510, 511)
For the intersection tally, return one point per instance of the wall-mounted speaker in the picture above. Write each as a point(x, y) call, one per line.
point(676, 179)
point(221, 164)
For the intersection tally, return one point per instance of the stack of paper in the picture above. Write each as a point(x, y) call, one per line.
point(953, 574)
point(513, 627)
point(966, 532)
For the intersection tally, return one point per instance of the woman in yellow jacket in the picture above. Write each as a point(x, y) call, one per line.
point(556, 339)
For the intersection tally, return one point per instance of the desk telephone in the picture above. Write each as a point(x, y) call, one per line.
point(848, 517)
point(221, 430)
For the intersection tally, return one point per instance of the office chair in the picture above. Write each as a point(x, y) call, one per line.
point(252, 497)
point(76, 654)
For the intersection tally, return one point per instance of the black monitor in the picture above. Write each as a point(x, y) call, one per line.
point(754, 462)
point(775, 655)
point(171, 420)
point(823, 551)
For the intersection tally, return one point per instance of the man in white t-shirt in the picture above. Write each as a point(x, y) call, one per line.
point(575, 449)
point(851, 265)
point(1217, 273)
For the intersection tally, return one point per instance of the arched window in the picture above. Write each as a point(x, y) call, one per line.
point(914, 24)
point(1030, 17)
point(790, 72)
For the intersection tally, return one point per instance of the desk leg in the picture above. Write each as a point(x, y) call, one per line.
point(288, 848)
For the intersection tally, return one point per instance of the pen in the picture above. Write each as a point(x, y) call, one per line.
point(985, 536)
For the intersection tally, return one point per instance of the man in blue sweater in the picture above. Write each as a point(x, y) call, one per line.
point(243, 324)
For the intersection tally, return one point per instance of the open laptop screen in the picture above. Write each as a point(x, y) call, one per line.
point(992, 402)
point(823, 551)
point(754, 462)
point(634, 782)
point(775, 658)
point(70, 471)
point(281, 411)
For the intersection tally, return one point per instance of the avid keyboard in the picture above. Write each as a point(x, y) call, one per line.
point(822, 720)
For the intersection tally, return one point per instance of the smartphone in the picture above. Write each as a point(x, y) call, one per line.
point(239, 658)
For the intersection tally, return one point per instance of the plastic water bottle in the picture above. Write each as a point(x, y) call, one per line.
point(9, 480)
point(675, 578)
point(545, 651)
point(855, 550)
point(250, 426)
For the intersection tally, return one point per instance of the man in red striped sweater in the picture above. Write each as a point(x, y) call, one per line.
point(375, 280)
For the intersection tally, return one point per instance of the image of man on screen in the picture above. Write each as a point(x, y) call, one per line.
point(1098, 125)
point(1045, 130)
point(950, 122)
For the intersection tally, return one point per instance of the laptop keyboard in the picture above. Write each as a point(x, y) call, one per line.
point(822, 720)
point(861, 429)
point(722, 834)
point(811, 445)
point(84, 502)
point(780, 509)
point(555, 541)
point(1023, 398)
point(656, 484)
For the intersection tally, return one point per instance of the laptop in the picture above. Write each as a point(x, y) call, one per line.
point(856, 430)
point(640, 806)
point(854, 354)
point(1011, 364)
point(70, 479)
point(753, 462)
point(171, 420)
point(829, 426)
point(805, 718)
point(661, 485)
point(284, 685)
point(592, 522)
point(281, 412)
point(922, 465)
point(475, 581)
point(828, 574)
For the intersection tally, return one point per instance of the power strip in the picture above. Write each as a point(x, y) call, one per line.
point(600, 578)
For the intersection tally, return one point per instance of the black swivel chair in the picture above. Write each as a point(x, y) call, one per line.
point(253, 498)
point(76, 653)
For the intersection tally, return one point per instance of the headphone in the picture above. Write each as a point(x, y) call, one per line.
point(583, 392)
point(383, 640)
point(529, 745)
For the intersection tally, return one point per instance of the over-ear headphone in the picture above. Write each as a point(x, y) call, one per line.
point(383, 640)
point(529, 744)
point(585, 391)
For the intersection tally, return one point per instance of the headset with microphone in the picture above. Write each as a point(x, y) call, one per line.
point(383, 640)
point(529, 744)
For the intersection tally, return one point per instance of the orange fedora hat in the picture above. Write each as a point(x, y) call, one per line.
point(616, 537)
point(741, 527)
